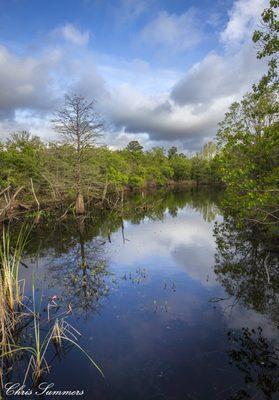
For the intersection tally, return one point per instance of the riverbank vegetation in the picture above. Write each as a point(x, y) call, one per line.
point(248, 138)
point(79, 167)
point(34, 173)
point(29, 327)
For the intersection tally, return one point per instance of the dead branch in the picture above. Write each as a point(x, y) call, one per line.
point(34, 194)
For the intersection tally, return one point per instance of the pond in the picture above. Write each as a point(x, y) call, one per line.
point(160, 300)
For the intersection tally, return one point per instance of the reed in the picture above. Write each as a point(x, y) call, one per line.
point(60, 332)
point(12, 289)
point(63, 331)
point(14, 310)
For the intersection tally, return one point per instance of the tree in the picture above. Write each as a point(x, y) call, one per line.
point(79, 125)
point(208, 151)
point(248, 138)
point(181, 166)
point(21, 159)
point(172, 152)
point(23, 139)
point(134, 146)
point(249, 157)
point(200, 170)
point(157, 167)
point(268, 40)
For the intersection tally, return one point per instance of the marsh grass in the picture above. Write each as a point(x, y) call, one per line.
point(16, 315)
point(10, 257)
point(60, 331)
point(63, 331)
point(11, 288)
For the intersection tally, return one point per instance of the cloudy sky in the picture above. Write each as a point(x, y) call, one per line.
point(163, 71)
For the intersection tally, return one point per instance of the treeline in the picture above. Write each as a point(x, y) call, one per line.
point(47, 170)
point(246, 160)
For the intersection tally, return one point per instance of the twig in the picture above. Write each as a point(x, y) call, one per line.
point(4, 190)
point(65, 213)
point(11, 200)
point(34, 194)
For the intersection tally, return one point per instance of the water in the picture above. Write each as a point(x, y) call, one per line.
point(157, 312)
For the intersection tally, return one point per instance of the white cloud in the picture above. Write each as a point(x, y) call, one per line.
point(139, 74)
point(27, 120)
point(130, 10)
point(219, 77)
point(244, 17)
point(185, 243)
point(199, 100)
point(154, 105)
point(239, 317)
point(70, 33)
point(33, 87)
point(159, 117)
point(176, 32)
point(26, 82)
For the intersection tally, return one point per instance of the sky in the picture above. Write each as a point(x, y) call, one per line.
point(163, 72)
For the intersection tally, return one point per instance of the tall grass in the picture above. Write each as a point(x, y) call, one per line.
point(14, 310)
point(11, 287)
point(58, 333)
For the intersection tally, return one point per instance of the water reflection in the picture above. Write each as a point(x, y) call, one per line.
point(142, 279)
point(62, 235)
point(247, 266)
point(258, 360)
point(81, 275)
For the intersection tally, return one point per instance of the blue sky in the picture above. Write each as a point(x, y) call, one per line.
point(114, 26)
point(163, 72)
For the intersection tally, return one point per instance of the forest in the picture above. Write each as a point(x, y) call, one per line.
point(26, 159)
point(79, 167)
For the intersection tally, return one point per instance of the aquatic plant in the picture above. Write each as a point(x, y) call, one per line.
point(18, 316)
point(11, 288)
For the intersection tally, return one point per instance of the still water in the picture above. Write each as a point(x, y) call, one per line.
point(162, 303)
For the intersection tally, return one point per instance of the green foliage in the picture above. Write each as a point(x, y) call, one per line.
point(134, 146)
point(268, 35)
point(249, 157)
point(208, 151)
point(268, 40)
point(20, 159)
point(172, 152)
point(248, 138)
point(181, 166)
point(52, 167)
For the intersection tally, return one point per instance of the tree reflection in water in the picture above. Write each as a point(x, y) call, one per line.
point(77, 251)
point(258, 359)
point(82, 274)
point(247, 267)
point(79, 265)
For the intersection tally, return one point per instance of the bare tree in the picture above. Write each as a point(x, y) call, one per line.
point(80, 126)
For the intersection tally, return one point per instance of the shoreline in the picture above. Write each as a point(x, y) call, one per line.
point(114, 200)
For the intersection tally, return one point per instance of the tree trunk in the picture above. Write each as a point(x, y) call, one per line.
point(80, 209)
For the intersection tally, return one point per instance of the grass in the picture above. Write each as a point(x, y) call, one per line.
point(10, 257)
point(15, 315)
point(62, 330)
point(11, 288)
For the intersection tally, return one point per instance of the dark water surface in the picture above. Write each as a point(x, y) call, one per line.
point(162, 317)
